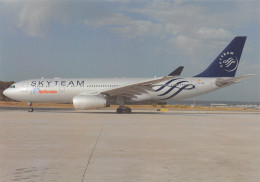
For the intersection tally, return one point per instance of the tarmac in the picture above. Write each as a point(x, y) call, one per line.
point(64, 145)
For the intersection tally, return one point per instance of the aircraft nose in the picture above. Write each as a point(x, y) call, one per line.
point(5, 92)
point(8, 93)
point(12, 93)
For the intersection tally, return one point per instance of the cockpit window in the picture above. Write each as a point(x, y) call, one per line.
point(12, 86)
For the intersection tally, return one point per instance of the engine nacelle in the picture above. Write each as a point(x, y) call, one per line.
point(89, 102)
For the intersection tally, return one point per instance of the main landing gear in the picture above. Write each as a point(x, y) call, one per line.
point(30, 109)
point(123, 110)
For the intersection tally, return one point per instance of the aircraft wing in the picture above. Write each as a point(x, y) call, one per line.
point(223, 82)
point(132, 90)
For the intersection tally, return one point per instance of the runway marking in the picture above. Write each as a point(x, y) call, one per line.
point(29, 173)
point(85, 172)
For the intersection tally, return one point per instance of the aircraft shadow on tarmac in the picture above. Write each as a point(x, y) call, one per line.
point(71, 110)
point(138, 111)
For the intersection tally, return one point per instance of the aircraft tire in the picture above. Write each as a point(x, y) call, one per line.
point(119, 110)
point(128, 110)
point(30, 110)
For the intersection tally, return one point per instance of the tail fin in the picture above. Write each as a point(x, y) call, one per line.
point(225, 65)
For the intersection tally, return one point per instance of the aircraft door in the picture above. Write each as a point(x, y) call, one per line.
point(25, 87)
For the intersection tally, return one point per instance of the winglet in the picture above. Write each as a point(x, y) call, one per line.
point(177, 72)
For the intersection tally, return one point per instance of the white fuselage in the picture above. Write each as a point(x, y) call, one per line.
point(63, 90)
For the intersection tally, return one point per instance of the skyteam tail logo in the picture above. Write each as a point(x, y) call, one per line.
point(172, 88)
point(228, 61)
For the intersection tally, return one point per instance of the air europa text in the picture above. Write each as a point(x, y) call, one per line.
point(48, 92)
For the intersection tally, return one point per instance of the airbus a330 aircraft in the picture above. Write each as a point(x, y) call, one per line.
point(101, 92)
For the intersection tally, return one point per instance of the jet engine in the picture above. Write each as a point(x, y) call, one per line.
point(85, 102)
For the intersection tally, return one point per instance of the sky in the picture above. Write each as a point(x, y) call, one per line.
point(128, 38)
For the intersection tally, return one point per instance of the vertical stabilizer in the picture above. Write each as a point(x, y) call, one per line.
point(225, 65)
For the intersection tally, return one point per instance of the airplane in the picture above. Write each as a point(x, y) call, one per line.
point(95, 93)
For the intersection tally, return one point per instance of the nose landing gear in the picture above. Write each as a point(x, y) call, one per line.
point(30, 109)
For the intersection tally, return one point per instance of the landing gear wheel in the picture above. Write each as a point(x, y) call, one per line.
point(128, 110)
point(119, 110)
point(123, 110)
point(30, 110)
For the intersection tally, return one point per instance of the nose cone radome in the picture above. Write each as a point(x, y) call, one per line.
point(5, 92)
point(10, 93)
point(13, 93)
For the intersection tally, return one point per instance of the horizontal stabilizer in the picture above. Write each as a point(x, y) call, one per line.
point(177, 72)
point(223, 82)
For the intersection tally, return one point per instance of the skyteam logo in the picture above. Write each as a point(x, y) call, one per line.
point(228, 61)
point(173, 87)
